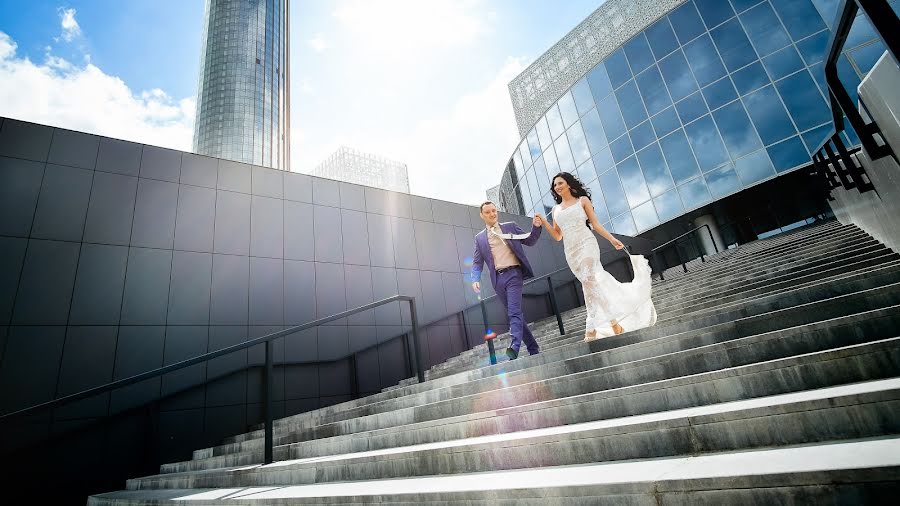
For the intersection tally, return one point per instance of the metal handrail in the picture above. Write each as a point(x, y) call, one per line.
point(269, 376)
point(655, 251)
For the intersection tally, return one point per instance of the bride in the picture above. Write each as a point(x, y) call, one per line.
point(612, 307)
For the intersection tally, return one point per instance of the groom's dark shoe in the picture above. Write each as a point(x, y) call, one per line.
point(512, 354)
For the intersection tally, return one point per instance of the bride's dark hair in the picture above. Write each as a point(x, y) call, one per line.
point(577, 189)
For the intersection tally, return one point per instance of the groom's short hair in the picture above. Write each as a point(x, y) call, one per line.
point(486, 202)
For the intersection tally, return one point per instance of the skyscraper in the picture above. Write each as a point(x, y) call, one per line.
point(243, 101)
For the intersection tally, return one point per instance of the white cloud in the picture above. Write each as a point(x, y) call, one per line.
point(84, 98)
point(70, 28)
point(318, 43)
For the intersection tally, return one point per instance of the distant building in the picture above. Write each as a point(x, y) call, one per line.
point(352, 166)
point(493, 194)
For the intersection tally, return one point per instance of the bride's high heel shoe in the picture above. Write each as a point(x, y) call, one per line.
point(617, 328)
point(590, 336)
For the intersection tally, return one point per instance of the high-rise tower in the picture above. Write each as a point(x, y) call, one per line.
point(243, 100)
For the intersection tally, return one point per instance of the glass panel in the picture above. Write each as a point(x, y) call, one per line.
point(848, 77)
point(668, 205)
point(633, 181)
point(581, 92)
point(603, 160)
point(714, 11)
point(540, 173)
point(860, 32)
point(803, 100)
point(599, 82)
point(750, 78)
point(733, 45)
point(661, 38)
point(593, 131)
point(526, 155)
point(642, 135)
point(866, 56)
point(800, 17)
point(621, 148)
point(613, 124)
point(788, 154)
point(534, 145)
point(764, 29)
point(742, 5)
point(555, 122)
point(597, 199)
point(586, 171)
point(564, 154)
point(814, 137)
point(722, 181)
point(812, 49)
point(617, 68)
point(665, 122)
point(707, 145)
point(517, 162)
point(656, 98)
point(612, 191)
point(686, 22)
point(550, 161)
point(704, 60)
point(656, 174)
point(719, 93)
point(754, 167)
point(678, 76)
point(525, 194)
point(578, 144)
point(645, 216)
point(679, 156)
point(769, 116)
point(782, 63)
point(734, 125)
point(568, 110)
point(535, 188)
point(691, 108)
point(694, 193)
point(624, 225)
point(638, 52)
point(828, 9)
point(543, 134)
point(631, 105)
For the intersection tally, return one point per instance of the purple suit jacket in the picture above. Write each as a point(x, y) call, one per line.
point(483, 251)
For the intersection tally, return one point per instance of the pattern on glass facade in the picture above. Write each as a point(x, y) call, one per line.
point(493, 194)
point(587, 44)
point(709, 99)
point(243, 104)
point(352, 166)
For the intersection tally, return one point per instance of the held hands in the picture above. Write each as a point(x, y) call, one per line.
point(616, 243)
point(476, 286)
point(538, 220)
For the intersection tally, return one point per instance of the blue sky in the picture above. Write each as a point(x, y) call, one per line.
point(419, 81)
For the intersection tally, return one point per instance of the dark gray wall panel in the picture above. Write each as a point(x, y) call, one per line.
point(88, 360)
point(421, 208)
point(388, 203)
point(297, 187)
point(475, 217)
point(409, 283)
point(62, 204)
point(146, 287)
point(299, 297)
point(31, 358)
point(232, 223)
point(266, 227)
point(97, 298)
point(74, 149)
point(442, 212)
point(432, 296)
point(222, 421)
point(161, 163)
point(384, 285)
point(12, 256)
point(139, 349)
point(334, 383)
point(229, 303)
point(381, 242)
point(19, 139)
point(299, 239)
point(233, 176)
point(267, 182)
point(189, 289)
point(121, 157)
point(353, 196)
point(45, 288)
point(154, 214)
point(195, 219)
point(20, 185)
point(231, 385)
point(330, 297)
point(392, 360)
point(182, 343)
point(465, 248)
point(361, 337)
point(445, 241)
point(111, 209)
point(404, 236)
point(459, 214)
point(368, 370)
point(301, 380)
point(358, 285)
point(328, 239)
point(326, 192)
point(439, 348)
point(355, 237)
point(454, 289)
point(266, 291)
point(334, 344)
point(199, 170)
point(177, 431)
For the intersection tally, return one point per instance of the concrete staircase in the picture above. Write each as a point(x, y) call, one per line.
point(773, 375)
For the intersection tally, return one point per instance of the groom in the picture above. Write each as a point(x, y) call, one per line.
point(508, 267)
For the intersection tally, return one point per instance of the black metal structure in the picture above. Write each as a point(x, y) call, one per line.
point(655, 252)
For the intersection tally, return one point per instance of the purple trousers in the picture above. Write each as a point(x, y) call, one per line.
point(509, 291)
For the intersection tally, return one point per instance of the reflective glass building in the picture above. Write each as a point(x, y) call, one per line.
point(243, 105)
point(662, 108)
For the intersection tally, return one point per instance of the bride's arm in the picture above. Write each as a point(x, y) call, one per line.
point(598, 228)
point(554, 230)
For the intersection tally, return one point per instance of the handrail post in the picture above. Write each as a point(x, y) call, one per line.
point(269, 442)
point(490, 342)
point(699, 247)
point(555, 307)
point(415, 339)
point(709, 231)
point(660, 264)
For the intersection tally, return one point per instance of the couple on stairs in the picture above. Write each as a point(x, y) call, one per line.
point(612, 307)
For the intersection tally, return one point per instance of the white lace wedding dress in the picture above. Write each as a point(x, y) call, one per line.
point(606, 299)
